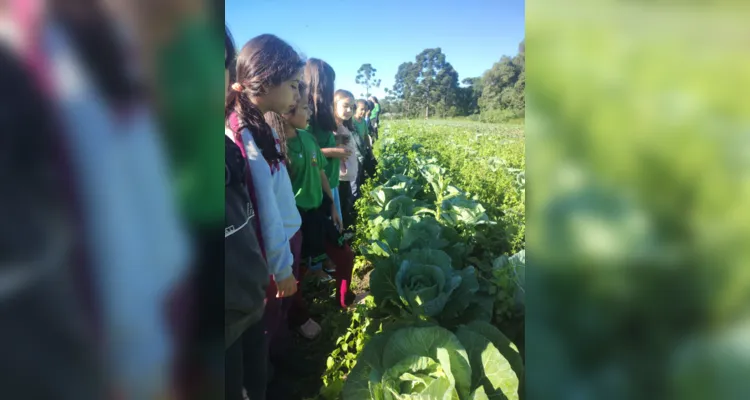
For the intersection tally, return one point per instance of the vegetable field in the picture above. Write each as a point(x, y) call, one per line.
point(441, 251)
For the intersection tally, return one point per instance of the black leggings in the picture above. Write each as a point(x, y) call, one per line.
point(246, 365)
point(348, 192)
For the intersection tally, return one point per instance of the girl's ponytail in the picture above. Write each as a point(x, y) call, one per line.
point(249, 116)
point(278, 123)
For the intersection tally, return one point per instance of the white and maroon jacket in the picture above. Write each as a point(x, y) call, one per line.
point(135, 244)
point(276, 206)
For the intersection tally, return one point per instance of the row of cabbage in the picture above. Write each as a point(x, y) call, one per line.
point(487, 160)
point(430, 327)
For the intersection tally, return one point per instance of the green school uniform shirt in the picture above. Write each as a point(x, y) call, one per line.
point(361, 128)
point(375, 111)
point(326, 139)
point(193, 105)
point(305, 163)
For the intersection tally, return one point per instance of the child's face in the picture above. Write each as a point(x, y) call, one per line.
point(282, 98)
point(298, 119)
point(360, 113)
point(344, 109)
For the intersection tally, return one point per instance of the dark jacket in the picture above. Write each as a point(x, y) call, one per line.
point(245, 273)
point(49, 349)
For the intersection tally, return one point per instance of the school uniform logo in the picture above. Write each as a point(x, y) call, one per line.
point(249, 215)
point(313, 159)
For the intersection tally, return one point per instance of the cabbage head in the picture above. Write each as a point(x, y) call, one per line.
point(429, 362)
point(424, 282)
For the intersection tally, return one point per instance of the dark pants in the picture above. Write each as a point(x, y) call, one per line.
point(343, 258)
point(295, 307)
point(290, 309)
point(349, 192)
point(322, 239)
point(246, 364)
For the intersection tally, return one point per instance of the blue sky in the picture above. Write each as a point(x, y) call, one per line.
point(473, 34)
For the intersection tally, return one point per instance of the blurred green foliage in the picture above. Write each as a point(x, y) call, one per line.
point(638, 221)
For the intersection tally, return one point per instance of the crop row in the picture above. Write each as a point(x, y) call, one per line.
point(439, 290)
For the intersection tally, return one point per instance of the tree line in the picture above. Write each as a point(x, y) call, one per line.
point(428, 87)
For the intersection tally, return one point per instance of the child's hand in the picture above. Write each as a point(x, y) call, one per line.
point(287, 287)
point(336, 219)
point(343, 153)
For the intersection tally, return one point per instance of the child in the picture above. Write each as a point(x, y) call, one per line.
point(246, 272)
point(246, 279)
point(368, 111)
point(360, 122)
point(296, 310)
point(268, 72)
point(375, 116)
point(348, 190)
point(319, 78)
point(343, 141)
point(320, 222)
point(123, 224)
point(360, 126)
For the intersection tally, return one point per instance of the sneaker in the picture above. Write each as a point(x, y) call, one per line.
point(310, 329)
point(329, 267)
point(321, 275)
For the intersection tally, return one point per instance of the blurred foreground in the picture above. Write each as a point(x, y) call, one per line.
point(638, 221)
point(94, 253)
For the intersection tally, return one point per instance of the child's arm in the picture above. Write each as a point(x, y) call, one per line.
point(342, 153)
point(326, 185)
point(329, 193)
point(275, 240)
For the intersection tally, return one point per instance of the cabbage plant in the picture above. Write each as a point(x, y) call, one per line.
point(424, 283)
point(514, 268)
point(431, 362)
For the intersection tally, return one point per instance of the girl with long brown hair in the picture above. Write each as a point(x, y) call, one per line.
point(267, 76)
point(246, 276)
point(320, 78)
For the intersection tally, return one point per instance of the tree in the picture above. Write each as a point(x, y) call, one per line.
point(428, 84)
point(404, 87)
point(520, 86)
point(366, 78)
point(468, 96)
point(504, 84)
point(389, 105)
